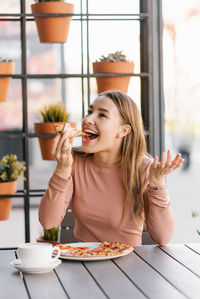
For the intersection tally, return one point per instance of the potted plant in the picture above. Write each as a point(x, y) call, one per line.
point(113, 63)
point(52, 29)
point(10, 170)
point(50, 235)
point(6, 68)
point(51, 114)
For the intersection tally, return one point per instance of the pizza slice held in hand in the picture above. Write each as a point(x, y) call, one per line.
point(61, 128)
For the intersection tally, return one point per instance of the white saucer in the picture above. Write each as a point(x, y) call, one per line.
point(52, 265)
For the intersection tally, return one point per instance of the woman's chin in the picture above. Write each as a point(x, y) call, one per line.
point(88, 145)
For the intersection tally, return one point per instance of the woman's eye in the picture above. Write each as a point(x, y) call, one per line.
point(89, 112)
point(102, 115)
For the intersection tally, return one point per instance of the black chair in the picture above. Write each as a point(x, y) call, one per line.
point(146, 238)
point(67, 228)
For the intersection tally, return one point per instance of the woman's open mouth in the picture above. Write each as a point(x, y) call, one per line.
point(91, 136)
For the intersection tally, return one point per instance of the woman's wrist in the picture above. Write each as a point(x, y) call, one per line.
point(156, 187)
point(64, 172)
point(157, 183)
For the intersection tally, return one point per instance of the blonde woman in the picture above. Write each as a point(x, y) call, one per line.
point(115, 186)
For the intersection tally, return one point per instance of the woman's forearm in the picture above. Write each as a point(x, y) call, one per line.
point(158, 216)
point(55, 201)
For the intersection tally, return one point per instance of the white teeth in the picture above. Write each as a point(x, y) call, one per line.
point(90, 131)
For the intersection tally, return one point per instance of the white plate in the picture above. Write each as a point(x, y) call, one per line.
point(92, 246)
point(44, 269)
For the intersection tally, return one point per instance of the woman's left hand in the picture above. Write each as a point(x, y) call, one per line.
point(159, 170)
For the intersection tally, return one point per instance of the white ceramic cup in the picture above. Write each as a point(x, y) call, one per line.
point(33, 255)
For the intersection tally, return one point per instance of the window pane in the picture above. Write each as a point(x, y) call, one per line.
point(120, 36)
point(37, 165)
point(11, 6)
point(11, 145)
point(114, 6)
point(45, 91)
point(11, 110)
point(10, 44)
point(45, 58)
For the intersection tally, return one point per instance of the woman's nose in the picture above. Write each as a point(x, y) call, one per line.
point(89, 119)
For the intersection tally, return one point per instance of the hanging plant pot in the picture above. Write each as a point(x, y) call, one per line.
point(113, 83)
point(53, 29)
point(5, 68)
point(46, 143)
point(6, 203)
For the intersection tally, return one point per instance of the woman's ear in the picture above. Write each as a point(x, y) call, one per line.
point(125, 130)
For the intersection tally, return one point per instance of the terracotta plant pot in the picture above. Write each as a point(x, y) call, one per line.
point(113, 83)
point(46, 143)
point(5, 68)
point(53, 29)
point(6, 203)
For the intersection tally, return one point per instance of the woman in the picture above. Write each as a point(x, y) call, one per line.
point(114, 185)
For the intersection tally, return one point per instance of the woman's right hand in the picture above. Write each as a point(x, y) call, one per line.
point(61, 150)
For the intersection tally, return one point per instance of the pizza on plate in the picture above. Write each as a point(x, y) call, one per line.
point(103, 250)
point(61, 128)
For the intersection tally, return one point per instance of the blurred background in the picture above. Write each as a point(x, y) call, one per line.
point(181, 61)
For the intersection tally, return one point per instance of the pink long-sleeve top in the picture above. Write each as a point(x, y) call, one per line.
point(98, 196)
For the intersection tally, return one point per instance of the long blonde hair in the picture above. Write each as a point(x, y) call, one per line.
point(132, 150)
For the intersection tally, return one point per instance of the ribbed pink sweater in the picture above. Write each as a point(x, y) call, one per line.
point(97, 192)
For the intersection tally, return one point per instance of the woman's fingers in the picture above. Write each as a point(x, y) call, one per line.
point(63, 144)
point(162, 160)
point(177, 162)
point(55, 144)
point(60, 144)
point(66, 146)
point(166, 163)
point(169, 159)
point(155, 162)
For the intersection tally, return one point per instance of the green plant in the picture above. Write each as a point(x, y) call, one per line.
point(55, 113)
point(196, 214)
point(38, 1)
point(113, 57)
point(10, 168)
point(51, 234)
point(5, 59)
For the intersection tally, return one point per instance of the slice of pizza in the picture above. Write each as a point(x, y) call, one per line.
point(68, 250)
point(61, 128)
point(110, 249)
point(73, 252)
point(66, 246)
